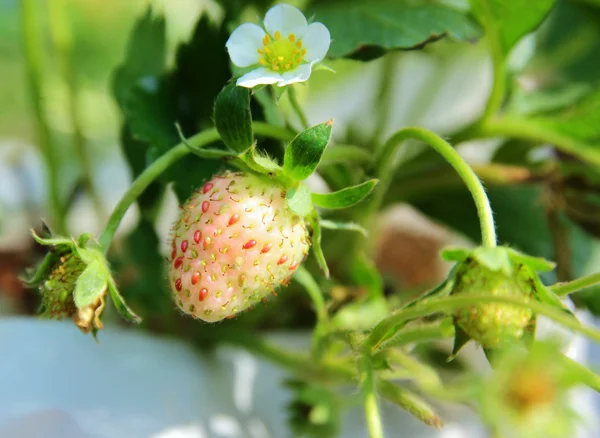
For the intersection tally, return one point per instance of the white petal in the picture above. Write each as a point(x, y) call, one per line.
point(316, 41)
point(244, 43)
point(257, 77)
point(299, 74)
point(285, 19)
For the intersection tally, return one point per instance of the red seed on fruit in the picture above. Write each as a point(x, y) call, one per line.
point(202, 294)
point(173, 254)
point(178, 262)
point(184, 245)
point(196, 277)
point(282, 260)
point(197, 236)
point(266, 248)
point(207, 187)
point(249, 244)
point(205, 206)
point(206, 243)
point(293, 265)
point(233, 219)
point(178, 284)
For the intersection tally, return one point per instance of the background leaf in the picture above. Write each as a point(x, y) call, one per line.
point(366, 30)
point(511, 20)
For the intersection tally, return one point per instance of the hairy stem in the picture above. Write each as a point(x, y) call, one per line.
point(384, 330)
point(297, 108)
point(386, 167)
point(372, 415)
point(32, 46)
point(562, 289)
point(62, 39)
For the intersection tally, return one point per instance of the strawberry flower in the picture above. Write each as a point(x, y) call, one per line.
point(283, 53)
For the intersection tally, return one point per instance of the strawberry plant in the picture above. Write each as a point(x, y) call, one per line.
point(281, 204)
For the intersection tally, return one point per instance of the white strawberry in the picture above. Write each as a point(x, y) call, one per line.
point(236, 240)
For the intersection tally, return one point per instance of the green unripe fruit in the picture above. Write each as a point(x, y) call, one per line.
point(57, 290)
point(493, 324)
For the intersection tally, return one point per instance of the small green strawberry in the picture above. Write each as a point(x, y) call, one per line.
point(57, 290)
point(236, 240)
point(501, 272)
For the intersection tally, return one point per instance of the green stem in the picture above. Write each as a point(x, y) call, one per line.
point(277, 132)
point(372, 415)
point(304, 277)
point(383, 330)
point(32, 40)
point(386, 167)
point(587, 376)
point(530, 131)
point(421, 333)
point(297, 108)
point(496, 97)
point(562, 289)
point(62, 39)
point(147, 177)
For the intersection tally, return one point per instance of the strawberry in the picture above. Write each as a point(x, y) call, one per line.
point(493, 324)
point(236, 240)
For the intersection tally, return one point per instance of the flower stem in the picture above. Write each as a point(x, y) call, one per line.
point(304, 277)
point(496, 96)
point(147, 177)
point(32, 40)
point(386, 167)
point(60, 30)
point(297, 108)
point(562, 289)
point(384, 330)
point(372, 415)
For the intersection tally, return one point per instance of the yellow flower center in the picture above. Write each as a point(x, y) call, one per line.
point(281, 54)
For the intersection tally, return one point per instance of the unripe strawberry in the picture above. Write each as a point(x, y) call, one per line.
point(57, 290)
point(492, 324)
point(235, 241)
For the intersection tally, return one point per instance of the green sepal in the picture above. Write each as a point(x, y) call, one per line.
point(299, 200)
point(316, 243)
point(52, 241)
point(538, 264)
point(344, 198)
point(304, 153)
point(460, 340)
point(44, 269)
point(233, 119)
point(261, 163)
point(120, 304)
point(91, 284)
point(345, 226)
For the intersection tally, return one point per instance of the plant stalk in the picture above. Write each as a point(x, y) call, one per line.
point(297, 108)
point(32, 46)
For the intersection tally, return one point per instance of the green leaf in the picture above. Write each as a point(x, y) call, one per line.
point(233, 119)
point(455, 254)
point(304, 153)
point(345, 197)
point(510, 20)
point(538, 264)
point(299, 200)
point(91, 284)
point(316, 243)
point(347, 226)
point(367, 29)
point(120, 305)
